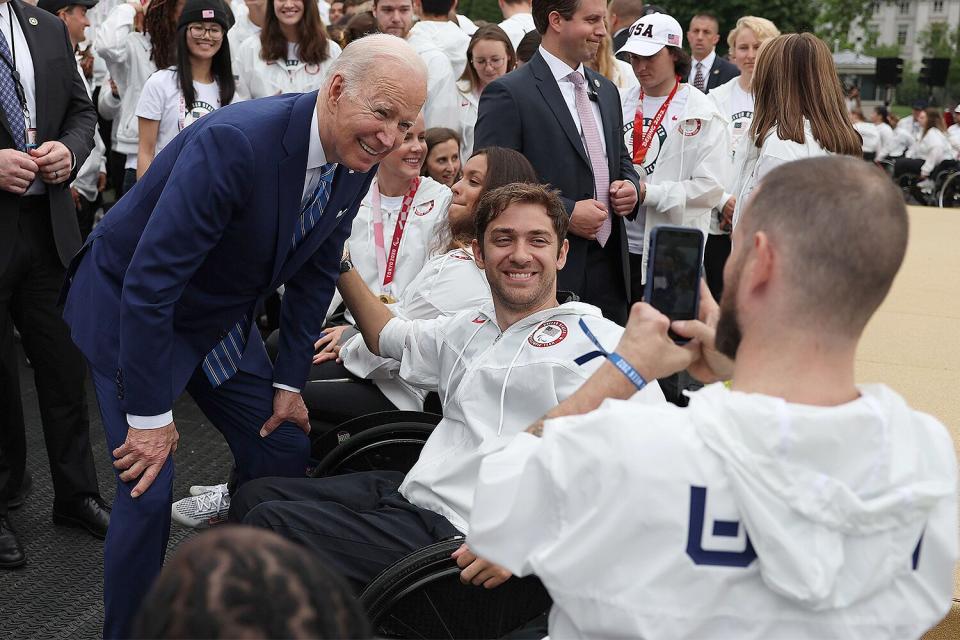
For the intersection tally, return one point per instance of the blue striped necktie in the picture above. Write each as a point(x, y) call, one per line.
point(313, 209)
point(9, 101)
point(224, 360)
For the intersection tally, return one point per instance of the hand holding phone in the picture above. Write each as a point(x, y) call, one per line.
point(674, 268)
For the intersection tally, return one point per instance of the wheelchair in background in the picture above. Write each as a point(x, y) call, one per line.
point(944, 190)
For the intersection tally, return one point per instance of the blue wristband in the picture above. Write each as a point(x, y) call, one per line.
point(615, 359)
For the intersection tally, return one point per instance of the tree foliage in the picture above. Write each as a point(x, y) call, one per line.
point(487, 10)
point(789, 16)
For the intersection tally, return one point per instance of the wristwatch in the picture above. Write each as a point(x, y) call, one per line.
point(345, 265)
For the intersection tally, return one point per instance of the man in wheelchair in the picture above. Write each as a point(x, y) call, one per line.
point(496, 369)
point(796, 505)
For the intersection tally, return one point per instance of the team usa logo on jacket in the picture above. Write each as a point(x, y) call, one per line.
point(423, 209)
point(650, 161)
point(548, 334)
point(691, 127)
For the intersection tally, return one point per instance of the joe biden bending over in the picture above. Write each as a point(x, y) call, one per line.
point(162, 297)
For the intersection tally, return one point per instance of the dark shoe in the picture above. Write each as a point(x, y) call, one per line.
point(11, 552)
point(89, 512)
point(26, 488)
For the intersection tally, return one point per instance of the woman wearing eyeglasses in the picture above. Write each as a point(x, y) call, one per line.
point(489, 56)
point(292, 54)
point(201, 81)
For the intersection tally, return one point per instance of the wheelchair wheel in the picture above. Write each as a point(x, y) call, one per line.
point(949, 196)
point(323, 444)
point(421, 596)
point(389, 447)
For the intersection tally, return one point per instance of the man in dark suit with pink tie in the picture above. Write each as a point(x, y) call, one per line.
point(566, 119)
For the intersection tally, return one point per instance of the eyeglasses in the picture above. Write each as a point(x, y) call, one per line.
point(495, 61)
point(199, 31)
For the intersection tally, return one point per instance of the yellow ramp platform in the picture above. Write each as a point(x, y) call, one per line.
point(913, 344)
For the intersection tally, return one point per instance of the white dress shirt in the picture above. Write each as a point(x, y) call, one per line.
point(316, 158)
point(20, 51)
point(707, 65)
point(560, 71)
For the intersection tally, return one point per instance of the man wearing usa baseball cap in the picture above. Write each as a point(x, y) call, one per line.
point(676, 136)
point(651, 33)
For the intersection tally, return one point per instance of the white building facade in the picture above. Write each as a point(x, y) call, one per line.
point(899, 22)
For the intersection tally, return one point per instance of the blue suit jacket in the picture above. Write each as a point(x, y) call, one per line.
point(200, 240)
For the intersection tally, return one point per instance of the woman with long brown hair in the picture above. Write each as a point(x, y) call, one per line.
point(134, 42)
point(799, 111)
point(292, 54)
point(489, 56)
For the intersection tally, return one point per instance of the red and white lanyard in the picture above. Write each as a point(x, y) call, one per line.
point(387, 263)
point(643, 139)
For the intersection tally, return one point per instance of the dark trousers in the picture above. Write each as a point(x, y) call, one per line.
point(129, 179)
point(85, 215)
point(333, 395)
point(603, 283)
point(29, 288)
point(907, 166)
point(139, 527)
point(358, 523)
point(636, 277)
point(715, 256)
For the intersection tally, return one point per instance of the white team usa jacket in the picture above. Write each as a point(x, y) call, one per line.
point(257, 78)
point(428, 214)
point(493, 385)
point(446, 285)
point(742, 516)
point(691, 169)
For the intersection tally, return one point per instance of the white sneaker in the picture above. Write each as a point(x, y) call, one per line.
point(202, 511)
point(198, 489)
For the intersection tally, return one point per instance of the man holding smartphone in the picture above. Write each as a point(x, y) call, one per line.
point(797, 504)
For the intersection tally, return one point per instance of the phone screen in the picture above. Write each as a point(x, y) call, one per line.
point(673, 275)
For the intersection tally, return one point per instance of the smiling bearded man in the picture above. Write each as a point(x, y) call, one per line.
point(495, 368)
point(163, 295)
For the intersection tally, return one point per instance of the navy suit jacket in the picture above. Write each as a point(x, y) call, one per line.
point(201, 239)
point(524, 110)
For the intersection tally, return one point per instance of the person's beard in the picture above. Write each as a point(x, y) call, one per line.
point(519, 302)
point(728, 336)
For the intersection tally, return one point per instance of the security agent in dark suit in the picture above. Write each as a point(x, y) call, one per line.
point(707, 69)
point(46, 132)
point(541, 110)
point(162, 296)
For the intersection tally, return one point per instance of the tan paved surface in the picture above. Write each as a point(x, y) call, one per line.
point(913, 342)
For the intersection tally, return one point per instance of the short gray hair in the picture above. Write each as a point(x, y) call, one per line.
point(363, 58)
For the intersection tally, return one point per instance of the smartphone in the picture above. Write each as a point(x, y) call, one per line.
point(674, 268)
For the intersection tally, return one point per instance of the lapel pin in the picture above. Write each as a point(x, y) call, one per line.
point(596, 83)
point(33, 21)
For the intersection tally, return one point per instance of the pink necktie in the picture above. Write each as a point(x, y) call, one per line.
point(598, 159)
